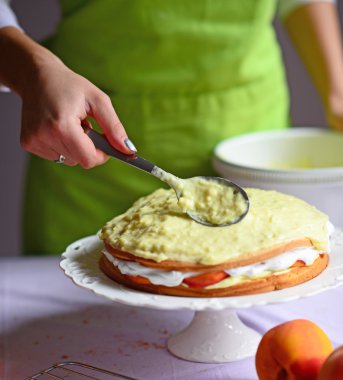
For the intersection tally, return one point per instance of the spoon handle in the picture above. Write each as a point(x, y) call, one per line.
point(101, 142)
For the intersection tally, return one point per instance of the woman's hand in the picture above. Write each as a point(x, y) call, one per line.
point(55, 102)
point(314, 29)
point(54, 106)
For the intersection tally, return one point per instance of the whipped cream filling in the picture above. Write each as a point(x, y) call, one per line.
point(174, 278)
point(155, 276)
point(281, 262)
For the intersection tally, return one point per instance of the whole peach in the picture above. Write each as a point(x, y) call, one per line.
point(294, 350)
point(332, 368)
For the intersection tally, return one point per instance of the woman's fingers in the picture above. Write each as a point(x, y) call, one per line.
point(82, 148)
point(102, 110)
point(67, 139)
point(48, 153)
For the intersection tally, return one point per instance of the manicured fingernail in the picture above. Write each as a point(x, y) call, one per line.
point(130, 145)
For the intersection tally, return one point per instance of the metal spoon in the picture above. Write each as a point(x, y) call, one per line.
point(178, 184)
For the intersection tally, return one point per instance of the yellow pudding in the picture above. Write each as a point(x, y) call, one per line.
point(206, 199)
point(212, 201)
point(156, 228)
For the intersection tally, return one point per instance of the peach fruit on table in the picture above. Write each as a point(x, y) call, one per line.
point(294, 350)
point(332, 368)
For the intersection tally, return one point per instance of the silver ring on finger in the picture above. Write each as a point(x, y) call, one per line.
point(60, 159)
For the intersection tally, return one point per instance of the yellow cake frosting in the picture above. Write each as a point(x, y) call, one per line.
point(156, 228)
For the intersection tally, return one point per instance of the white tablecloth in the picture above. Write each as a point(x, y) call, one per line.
point(45, 318)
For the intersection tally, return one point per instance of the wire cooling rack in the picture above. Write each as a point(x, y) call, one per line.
point(76, 371)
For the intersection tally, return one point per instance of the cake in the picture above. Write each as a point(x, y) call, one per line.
point(155, 247)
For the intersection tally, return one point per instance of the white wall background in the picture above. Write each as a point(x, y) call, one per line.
point(39, 18)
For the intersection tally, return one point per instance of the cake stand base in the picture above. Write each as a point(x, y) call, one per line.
point(215, 337)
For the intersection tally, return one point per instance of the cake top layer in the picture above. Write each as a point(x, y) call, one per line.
point(156, 228)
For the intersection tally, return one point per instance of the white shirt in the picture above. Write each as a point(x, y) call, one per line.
point(7, 16)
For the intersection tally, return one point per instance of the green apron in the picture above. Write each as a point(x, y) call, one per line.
point(182, 75)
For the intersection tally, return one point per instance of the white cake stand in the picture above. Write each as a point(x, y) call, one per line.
point(216, 334)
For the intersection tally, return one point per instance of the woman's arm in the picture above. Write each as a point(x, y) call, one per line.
point(55, 101)
point(315, 32)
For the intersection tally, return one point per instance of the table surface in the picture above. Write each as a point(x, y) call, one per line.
point(45, 319)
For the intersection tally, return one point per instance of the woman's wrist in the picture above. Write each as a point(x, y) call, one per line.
point(22, 61)
point(333, 106)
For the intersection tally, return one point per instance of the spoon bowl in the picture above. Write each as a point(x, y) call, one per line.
point(238, 193)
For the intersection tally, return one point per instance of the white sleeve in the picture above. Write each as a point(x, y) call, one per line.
point(7, 16)
point(285, 7)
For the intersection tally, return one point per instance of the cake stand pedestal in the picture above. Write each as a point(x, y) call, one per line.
point(216, 334)
point(215, 337)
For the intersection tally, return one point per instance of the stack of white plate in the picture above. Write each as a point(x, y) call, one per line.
point(305, 162)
